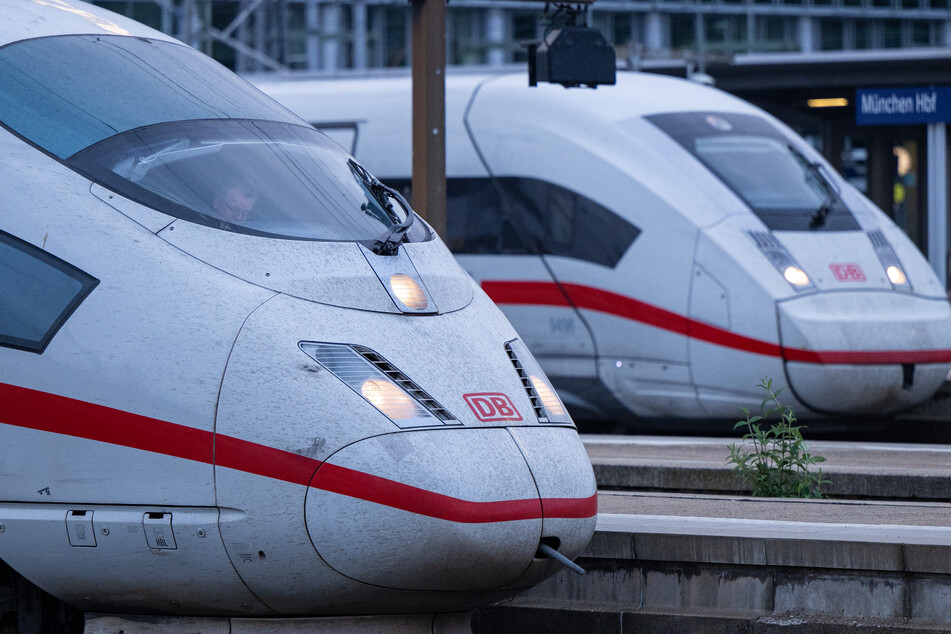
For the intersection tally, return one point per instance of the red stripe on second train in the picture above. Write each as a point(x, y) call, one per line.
point(872, 357)
point(32, 409)
point(636, 310)
point(586, 297)
point(539, 293)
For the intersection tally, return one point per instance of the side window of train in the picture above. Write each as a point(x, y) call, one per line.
point(476, 223)
point(566, 223)
point(38, 293)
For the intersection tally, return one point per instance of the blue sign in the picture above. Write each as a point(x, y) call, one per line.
point(891, 106)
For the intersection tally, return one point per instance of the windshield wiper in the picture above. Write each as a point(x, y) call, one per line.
point(141, 165)
point(833, 194)
point(819, 217)
point(389, 242)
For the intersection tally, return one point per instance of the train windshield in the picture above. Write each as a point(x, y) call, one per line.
point(166, 126)
point(49, 99)
point(258, 177)
point(755, 160)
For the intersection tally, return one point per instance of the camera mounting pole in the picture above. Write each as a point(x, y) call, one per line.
point(429, 112)
point(429, 100)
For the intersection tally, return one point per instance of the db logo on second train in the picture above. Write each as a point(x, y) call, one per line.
point(848, 272)
point(492, 407)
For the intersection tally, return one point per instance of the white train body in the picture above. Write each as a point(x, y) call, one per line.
point(245, 418)
point(637, 237)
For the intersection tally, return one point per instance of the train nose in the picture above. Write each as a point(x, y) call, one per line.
point(451, 510)
point(871, 353)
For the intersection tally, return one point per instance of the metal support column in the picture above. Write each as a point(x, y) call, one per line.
point(938, 200)
point(495, 32)
point(312, 34)
point(807, 34)
point(657, 33)
point(429, 112)
point(331, 34)
point(358, 11)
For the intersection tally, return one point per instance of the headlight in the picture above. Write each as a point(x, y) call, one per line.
point(381, 383)
point(549, 398)
point(387, 397)
point(781, 260)
point(796, 276)
point(408, 291)
point(548, 407)
point(895, 275)
point(890, 262)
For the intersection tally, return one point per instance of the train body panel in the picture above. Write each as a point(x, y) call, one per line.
point(161, 329)
point(188, 569)
point(238, 375)
point(392, 555)
point(675, 221)
point(404, 484)
point(552, 331)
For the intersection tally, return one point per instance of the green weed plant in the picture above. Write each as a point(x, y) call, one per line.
point(775, 461)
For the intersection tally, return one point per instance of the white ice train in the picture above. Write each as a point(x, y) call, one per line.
point(660, 245)
point(236, 377)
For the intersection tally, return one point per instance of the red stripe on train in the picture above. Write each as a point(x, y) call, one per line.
point(33, 409)
point(589, 298)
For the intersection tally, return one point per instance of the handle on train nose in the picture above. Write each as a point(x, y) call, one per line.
point(548, 551)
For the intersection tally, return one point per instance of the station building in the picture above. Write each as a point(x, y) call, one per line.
point(815, 64)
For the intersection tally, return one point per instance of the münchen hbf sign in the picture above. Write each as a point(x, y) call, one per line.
point(893, 106)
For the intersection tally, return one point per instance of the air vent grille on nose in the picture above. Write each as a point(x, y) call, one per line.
point(395, 375)
point(877, 238)
point(526, 383)
point(765, 240)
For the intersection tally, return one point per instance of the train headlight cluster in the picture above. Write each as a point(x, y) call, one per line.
point(408, 291)
point(796, 276)
point(890, 262)
point(547, 394)
point(781, 260)
point(895, 275)
point(381, 383)
point(387, 397)
point(545, 401)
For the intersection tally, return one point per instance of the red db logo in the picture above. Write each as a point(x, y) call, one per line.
point(492, 407)
point(848, 272)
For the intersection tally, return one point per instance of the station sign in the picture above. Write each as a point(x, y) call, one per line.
point(896, 106)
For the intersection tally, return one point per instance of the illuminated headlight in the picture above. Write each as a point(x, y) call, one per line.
point(408, 292)
point(895, 275)
point(545, 401)
point(380, 383)
point(890, 262)
point(387, 397)
point(796, 276)
point(781, 260)
point(546, 393)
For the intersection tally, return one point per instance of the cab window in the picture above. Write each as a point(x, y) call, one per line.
point(562, 222)
point(170, 128)
point(516, 215)
point(38, 293)
point(262, 178)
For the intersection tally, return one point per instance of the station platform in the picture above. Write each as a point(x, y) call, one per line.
point(855, 470)
point(680, 548)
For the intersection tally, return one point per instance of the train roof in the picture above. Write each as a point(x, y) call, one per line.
point(27, 19)
point(635, 94)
